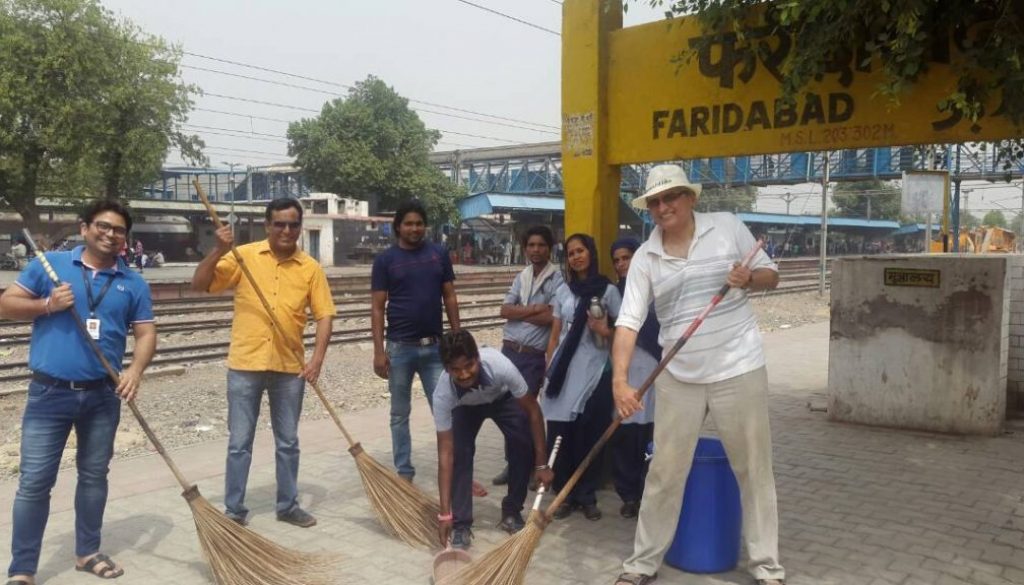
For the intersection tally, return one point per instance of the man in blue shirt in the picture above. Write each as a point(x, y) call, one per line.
point(480, 384)
point(70, 387)
point(410, 280)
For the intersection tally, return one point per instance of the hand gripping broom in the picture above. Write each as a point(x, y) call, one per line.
point(511, 558)
point(507, 564)
point(237, 555)
point(401, 507)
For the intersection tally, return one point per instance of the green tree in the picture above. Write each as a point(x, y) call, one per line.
point(867, 199)
point(905, 35)
point(969, 221)
point(89, 104)
point(734, 199)
point(371, 145)
point(994, 219)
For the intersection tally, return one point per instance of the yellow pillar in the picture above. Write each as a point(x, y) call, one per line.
point(591, 185)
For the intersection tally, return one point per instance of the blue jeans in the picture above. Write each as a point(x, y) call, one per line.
point(406, 360)
point(245, 392)
point(50, 414)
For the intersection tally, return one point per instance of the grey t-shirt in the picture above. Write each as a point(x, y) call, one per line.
point(498, 376)
point(528, 334)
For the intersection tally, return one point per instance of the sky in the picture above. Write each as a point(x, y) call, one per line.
point(452, 60)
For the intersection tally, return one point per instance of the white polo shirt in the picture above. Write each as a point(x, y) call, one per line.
point(728, 344)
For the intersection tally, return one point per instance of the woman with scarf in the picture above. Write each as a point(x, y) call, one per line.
point(577, 400)
point(629, 444)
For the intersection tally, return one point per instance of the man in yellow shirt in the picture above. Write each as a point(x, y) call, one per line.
point(261, 358)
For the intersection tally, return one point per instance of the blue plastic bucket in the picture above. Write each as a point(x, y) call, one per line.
point(708, 535)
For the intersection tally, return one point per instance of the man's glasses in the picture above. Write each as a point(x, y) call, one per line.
point(671, 196)
point(107, 228)
point(281, 225)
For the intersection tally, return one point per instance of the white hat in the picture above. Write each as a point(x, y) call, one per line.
point(661, 179)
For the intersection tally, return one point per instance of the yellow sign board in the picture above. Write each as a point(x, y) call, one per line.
point(675, 94)
point(912, 277)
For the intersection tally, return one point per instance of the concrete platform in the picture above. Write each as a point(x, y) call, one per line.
point(858, 505)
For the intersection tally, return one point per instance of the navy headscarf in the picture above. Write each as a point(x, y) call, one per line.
point(647, 338)
point(593, 285)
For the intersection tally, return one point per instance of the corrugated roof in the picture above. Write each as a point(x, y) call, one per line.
point(488, 203)
point(810, 220)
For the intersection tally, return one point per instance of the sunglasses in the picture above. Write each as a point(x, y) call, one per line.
point(670, 197)
point(281, 225)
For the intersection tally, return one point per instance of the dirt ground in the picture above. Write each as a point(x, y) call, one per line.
point(191, 408)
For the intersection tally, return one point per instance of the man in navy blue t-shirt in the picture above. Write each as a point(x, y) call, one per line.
point(411, 279)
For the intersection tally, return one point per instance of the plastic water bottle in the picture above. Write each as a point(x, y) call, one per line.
point(596, 311)
point(650, 451)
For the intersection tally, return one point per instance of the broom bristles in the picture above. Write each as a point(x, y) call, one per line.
point(507, 563)
point(239, 556)
point(401, 507)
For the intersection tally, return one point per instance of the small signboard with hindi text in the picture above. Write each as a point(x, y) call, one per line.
point(912, 277)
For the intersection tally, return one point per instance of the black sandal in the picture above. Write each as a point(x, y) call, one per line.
point(111, 571)
point(635, 579)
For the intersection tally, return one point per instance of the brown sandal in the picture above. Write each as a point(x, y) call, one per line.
point(110, 571)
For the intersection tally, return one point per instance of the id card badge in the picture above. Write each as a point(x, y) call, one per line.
point(93, 327)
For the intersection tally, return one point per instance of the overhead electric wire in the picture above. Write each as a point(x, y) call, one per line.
point(200, 130)
point(248, 151)
point(510, 17)
point(346, 86)
point(334, 94)
point(301, 109)
point(250, 116)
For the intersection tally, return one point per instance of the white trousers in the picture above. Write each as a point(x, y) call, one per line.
point(739, 407)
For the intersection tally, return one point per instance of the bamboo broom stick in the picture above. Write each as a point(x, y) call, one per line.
point(236, 555)
point(400, 506)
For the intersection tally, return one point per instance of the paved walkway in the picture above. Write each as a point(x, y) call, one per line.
point(858, 505)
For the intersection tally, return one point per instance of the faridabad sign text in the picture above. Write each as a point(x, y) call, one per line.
point(675, 93)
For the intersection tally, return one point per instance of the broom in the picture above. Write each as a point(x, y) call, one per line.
point(507, 564)
point(513, 556)
point(401, 507)
point(237, 555)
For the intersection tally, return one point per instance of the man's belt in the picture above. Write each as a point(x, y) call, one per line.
point(80, 385)
point(422, 341)
point(519, 347)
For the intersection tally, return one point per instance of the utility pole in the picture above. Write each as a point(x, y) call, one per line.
point(231, 183)
point(824, 227)
point(1020, 237)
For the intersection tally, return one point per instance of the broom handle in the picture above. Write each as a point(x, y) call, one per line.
point(300, 352)
point(564, 492)
point(109, 368)
point(551, 463)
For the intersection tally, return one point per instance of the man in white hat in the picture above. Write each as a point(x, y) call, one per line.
point(721, 369)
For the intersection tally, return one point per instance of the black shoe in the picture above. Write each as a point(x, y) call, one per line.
point(591, 512)
point(564, 510)
point(512, 523)
point(462, 537)
point(501, 478)
point(629, 509)
point(298, 517)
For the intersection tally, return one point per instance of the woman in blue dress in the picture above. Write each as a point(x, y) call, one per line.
point(629, 444)
point(577, 397)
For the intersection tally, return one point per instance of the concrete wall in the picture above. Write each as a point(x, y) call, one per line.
point(921, 358)
point(1015, 372)
point(325, 226)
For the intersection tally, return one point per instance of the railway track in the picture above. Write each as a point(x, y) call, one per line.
point(213, 351)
